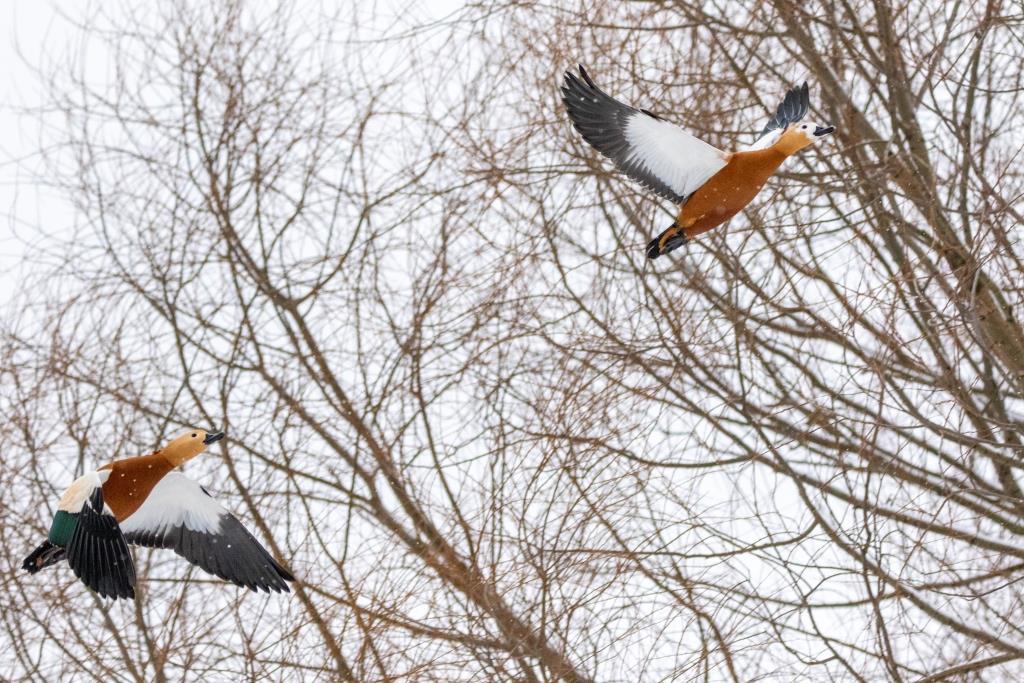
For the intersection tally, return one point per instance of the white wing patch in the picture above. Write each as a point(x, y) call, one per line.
point(75, 495)
point(176, 500)
point(766, 140)
point(675, 157)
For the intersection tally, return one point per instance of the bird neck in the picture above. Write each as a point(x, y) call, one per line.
point(790, 142)
point(759, 164)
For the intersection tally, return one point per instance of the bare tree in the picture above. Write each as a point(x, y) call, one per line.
point(493, 441)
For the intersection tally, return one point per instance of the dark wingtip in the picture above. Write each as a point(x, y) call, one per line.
point(572, 81)
point(586, 76)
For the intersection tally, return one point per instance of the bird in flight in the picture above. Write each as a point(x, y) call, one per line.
point(142, 501)
point(708, 185)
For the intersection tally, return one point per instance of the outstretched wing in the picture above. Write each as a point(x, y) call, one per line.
point(657, 154)
point(97, 551)
point(180, 515)
point(793, 108)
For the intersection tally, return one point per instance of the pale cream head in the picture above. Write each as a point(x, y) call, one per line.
point(189, 445)
point(802, 134)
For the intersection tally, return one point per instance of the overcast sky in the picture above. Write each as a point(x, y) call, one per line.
point(37, 33)
point(30, 28)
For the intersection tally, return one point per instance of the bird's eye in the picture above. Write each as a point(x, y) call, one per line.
point(804, 126)
point(193, 436)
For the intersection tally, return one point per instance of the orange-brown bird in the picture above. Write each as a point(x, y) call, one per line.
point(708, 185)
point(143, 501)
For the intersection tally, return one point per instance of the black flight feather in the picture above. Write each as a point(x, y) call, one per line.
point(230, 552)
point(793, 108)
point(98, 553)
point(602, 121)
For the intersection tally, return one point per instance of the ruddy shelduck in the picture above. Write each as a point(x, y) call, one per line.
point(708, 185)
point(143, 501)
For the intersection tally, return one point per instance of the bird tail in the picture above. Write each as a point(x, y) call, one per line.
point(669, 240)
point(46, 554)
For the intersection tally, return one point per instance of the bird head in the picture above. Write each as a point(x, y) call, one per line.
point(802, 134)
point(189, 445)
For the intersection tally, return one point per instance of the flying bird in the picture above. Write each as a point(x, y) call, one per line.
point(142, 501)
point(708, 185)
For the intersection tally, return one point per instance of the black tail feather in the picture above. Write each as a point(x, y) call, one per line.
point(43, 556)
point(669, 240)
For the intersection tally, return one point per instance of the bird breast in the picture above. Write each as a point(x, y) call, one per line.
point(729, 190)
point(131, 481)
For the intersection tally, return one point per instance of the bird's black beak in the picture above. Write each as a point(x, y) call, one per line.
point(213, 437)
point(821, 132)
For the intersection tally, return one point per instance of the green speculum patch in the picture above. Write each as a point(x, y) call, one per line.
point(62, 527)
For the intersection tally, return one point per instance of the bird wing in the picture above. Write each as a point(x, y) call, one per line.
point(794, 107)
point(180, 515)
point(97, 551)
point(657, 154)
point(81, 489)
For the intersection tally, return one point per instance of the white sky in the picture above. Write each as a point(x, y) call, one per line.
point(34, 33)
point(27, 209)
